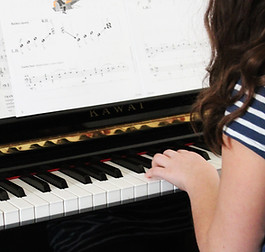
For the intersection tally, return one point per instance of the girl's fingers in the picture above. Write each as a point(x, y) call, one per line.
point(155, 172)
point(169, 153)
point(159, 160)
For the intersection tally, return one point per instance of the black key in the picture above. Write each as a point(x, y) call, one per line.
point(77, 174)
point(13, 188)
point(153, 150)
point(136, 157)
point(53, 179)
point(129, 164)
point(204, 154)
point(36, 182)
point(141, 160)
point(92, 171)
point(3, 194)
point(108, 169)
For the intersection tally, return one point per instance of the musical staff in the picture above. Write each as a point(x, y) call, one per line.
point(177, 70)
point(53, 33)
point(173, 49)
point(176, 60)
point(81, 77)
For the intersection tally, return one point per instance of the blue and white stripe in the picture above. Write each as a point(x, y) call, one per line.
point(249, 129)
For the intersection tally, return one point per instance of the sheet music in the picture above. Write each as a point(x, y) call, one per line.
point(171, 43)
point(7, 108)
point(79, 53)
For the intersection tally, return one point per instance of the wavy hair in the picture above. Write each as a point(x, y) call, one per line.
point(236, 30)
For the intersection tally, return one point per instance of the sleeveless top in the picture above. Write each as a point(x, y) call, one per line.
point(249, 129)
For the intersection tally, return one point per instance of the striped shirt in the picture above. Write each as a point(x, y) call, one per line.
point(249, 129)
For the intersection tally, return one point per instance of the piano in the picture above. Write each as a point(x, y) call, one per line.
point(59, 167)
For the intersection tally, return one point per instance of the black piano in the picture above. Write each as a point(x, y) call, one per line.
point(77, 177)
point(99, 87)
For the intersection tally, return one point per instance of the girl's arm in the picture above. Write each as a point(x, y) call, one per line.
point(238, 222)
point(229, 215)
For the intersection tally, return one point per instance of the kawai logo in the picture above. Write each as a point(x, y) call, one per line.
point(120, 109)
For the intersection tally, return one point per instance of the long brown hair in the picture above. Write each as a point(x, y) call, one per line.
point(236, 29)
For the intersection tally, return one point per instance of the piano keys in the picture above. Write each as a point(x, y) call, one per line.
point(85, 184)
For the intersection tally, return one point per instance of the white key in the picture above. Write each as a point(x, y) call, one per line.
point(10, 214)
point(99, 198)
point(165, 186)
point(126, 188)
point(84, 197)
point(147, 156)
point(41, 207)
point(153, 185)
point(140, 187)
point(55, 203)
point(113, 191)
point(1, 220)
point(70, 201)
point(26, 210)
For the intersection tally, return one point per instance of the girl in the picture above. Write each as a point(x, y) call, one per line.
point(228, 211)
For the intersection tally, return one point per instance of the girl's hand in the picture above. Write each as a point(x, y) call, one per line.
point(183, 168)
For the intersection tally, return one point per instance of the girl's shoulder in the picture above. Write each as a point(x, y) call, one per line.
point(249, 129)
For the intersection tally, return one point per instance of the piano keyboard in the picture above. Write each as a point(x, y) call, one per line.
point(82, 186)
